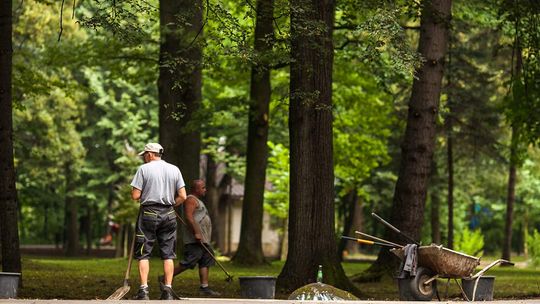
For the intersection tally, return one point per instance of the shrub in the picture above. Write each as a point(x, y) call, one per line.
point(533, 246)
point(470, 242)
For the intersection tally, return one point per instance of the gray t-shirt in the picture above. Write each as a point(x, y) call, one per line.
point(158, 181)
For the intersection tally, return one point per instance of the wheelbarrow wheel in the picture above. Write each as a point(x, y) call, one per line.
point(421, 291)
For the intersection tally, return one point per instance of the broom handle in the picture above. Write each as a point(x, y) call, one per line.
point(130, 260)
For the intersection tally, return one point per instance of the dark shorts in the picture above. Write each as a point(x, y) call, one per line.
point(195, 254)
point(156, 223)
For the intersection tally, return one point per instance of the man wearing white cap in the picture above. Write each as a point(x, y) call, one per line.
point(159, 186)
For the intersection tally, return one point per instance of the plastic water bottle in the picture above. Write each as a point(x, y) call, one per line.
point(319, 274)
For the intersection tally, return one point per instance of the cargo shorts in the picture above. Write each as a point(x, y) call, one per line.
point(156, 222)
point(194, 254)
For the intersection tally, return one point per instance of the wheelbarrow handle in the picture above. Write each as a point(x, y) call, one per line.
point(387, 224)
point(494, 263)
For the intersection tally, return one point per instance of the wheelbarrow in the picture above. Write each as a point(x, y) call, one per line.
point(436, 261)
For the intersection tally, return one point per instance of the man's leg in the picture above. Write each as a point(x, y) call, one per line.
point(144, 268)
point(203, 276)
point(204, 289)
point(179, 269)
point(168, 269)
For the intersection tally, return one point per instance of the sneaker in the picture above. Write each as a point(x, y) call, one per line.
point(161, 281)
point(206, 291)
point(167, 293)
point(142, 294)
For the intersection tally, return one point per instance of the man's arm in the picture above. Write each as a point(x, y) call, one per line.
point(135, 194)
point(181, 197)
point(189, 207)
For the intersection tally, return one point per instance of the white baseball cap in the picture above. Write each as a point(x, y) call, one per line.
point(152, 147)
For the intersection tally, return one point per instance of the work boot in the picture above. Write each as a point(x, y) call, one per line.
point(167, 293)
point(142, 294)
point(206, 291)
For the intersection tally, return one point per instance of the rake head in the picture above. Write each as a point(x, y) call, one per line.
point(120, 292)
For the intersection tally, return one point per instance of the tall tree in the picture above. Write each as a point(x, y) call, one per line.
point(449, 124)
point(250, 246)
point(419, 140)
point(11, 257)
point(524, 97)
point(179, 84)
point(514, 162)
point(311, 211)
point(71, 218)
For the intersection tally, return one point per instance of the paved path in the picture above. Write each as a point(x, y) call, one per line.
point(245, 301)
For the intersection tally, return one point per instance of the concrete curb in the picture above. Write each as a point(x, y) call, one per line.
point(241, 301)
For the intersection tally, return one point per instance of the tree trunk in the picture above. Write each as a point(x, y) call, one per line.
point(179, 84)
point(88, 229)
point(45, 234)
point(357, 223)
point(212, 199)
point(250, 246)
point(510, 200)
point(11, 257)
point(435, 218)
point(511, 196)
point(419, 141)
point(119, 248)
point(72, 227)
point(283, 242)
point(450, 166)
point(311, 212)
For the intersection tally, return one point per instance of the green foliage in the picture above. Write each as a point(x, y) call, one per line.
point(276, 200)
point(87, 104)
point(361, 126)
point(533, 245)
point(520, 21)
point(217, 149)
point(370, 33)
point(126, 20)
point(469, 242)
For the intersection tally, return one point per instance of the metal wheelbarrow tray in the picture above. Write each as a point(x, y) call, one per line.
point(445, 262)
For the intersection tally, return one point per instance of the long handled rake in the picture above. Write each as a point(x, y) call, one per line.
point(229, 277)
point(122, 291)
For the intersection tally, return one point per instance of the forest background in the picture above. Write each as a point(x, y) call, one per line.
point(86, 99)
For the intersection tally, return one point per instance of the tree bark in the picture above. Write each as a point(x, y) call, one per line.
point(435, 218)
point(311, 209)
point(510, 200)
point(511, 195)
point(212, 200)
point(179, 84)
point(357, 223)
point(11, 257)
point(72, 222)
point(250, 246)
point(450, 166)
point(419, 141)
point(88, 228)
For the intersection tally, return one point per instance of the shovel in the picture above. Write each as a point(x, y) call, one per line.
point(122, 291)
point(387, 224)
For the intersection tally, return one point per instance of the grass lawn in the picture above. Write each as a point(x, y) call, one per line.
point(97, 278)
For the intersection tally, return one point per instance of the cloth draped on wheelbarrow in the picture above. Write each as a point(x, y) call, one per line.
point(409, 263)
